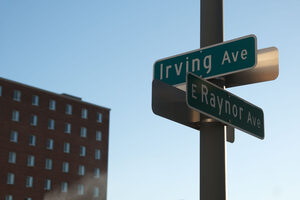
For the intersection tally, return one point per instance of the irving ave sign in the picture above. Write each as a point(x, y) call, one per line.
point(213, 61)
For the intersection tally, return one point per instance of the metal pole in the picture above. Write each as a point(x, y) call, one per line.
point(212, 134)
point(211, 22)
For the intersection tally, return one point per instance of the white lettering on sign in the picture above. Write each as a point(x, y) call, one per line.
point(187, 64)
point(217, 102)
point(178, 70)
point(234, 56)
point(207, 63)
point(167, 70)
point(204, 91)
point(253, 120)
point(241, 110)
point(194, 91)
point(192, 65)
point(212, 100)
point(195, 64)
point(220, 103)
point(244, 54)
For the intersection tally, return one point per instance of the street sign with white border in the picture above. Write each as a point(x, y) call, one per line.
point(213, 61)
point(223, 106)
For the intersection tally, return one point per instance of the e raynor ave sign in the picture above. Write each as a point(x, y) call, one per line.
point(223, 106)
point(213, 61)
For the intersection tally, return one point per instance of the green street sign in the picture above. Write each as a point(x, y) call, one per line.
point(223, 106)
point(209, 62)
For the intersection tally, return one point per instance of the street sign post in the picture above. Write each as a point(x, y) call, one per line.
point(223, 106)
point(209, 62)
point(180, 89)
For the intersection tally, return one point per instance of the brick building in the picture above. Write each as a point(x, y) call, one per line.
point(53, 146)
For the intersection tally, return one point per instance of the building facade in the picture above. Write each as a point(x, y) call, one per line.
point(53, 146)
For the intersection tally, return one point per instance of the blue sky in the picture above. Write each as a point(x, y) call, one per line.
point(103, 51)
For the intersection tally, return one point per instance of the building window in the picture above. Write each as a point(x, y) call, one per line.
point(35, 100)
point(17, 95)
point(81, 170)
point(52, 104)
point(14, 136)
point(97, 154)
point(64, 187)
point(51, 124)
point(80, 189)
point(98, 135)
point(15, 116)
point(82, 151)
point(33, 120)
point(96, 192)
point(12, 157)
point(32, 140)
point(29, 181)
point(8, 197)
point(84, 113)
point(0, 90)
point(69, 109)
point(30, 161)
point(10, 179)
point(83, 132)
point(48, 164)
point(47, 184)
point(99, 117)
point(49, 144)
point(65, 167)
point(97, 173)
point(66, 147)
point(67, 128)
